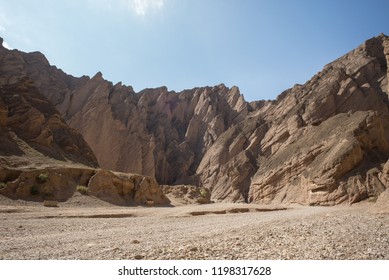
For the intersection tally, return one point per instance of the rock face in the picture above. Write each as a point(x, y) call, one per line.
point(60, 184)
point(43, 184)
point(41, 157)
point(31, 126)
point(154, 132)
point(329, 138)
point(324, 142)
point(382, 204)
point(126, 189)
point(321, 143)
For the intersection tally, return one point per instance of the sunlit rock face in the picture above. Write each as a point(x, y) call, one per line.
point(321, 143)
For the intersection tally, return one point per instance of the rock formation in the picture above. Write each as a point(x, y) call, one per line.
point(154, 132)
point(60, 184)
point(382, 204)
point(126, 189)
point(41, 157)
point(324, 142)
point(321, 143)
point(30, 126)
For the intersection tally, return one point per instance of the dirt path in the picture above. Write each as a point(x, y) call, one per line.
point(217, 231)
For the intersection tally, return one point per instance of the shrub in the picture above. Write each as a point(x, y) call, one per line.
point(2, 185)
point(372, 199)
point(204, 192)
point(34, 190)
point(83, 190)
point(42, 178)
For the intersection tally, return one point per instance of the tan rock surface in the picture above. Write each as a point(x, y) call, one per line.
point(321, 143)
point(31, 126)
point(61, 183)
point(382, 204)
point(126, 189)
point(154, 132)
point(187, 194)
point(41, 157)
point(324, 142)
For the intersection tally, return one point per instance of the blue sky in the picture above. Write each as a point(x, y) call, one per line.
point(263, 47)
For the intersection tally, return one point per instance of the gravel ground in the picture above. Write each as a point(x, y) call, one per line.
point(217, 231)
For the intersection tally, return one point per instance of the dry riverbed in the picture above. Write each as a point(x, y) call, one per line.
point(84, 228)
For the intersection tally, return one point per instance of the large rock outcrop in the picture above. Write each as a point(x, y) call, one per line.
point(153, 132)
point(41, 157)
point(31, 127)
point(126, 189)
point(324, 142)
point(382, 204)
point(61, 183)
point(55, 183)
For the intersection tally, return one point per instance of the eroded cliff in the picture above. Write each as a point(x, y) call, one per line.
point(324, 142)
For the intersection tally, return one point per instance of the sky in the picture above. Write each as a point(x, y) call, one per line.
point(262, 46)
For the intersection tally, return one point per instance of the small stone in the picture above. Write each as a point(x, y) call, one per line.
point(138, 257)
point(50, 203)
point(135, 241)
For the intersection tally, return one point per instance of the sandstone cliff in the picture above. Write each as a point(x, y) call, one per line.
point(153, 132)
point(31, 127)
point(324, 142)
point(41, 157)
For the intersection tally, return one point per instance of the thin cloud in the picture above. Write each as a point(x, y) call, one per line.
point(3, 23)
point(138, 7)
point(143, 7)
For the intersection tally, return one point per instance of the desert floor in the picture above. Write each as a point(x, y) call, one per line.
point(85, 228)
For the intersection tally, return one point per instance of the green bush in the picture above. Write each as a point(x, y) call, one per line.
point(34, 190)
point(42, 178)
point(2, 185)
point(204, 192)
point(83, 190)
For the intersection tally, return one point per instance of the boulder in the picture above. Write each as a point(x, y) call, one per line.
point(126, 189)
point(381, 206)
point(187, 194)
point(44, 184)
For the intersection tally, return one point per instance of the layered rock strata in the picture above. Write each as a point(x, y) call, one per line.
point(30, 126)
point(321, 143)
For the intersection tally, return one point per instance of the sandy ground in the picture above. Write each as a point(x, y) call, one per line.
point(86, 228)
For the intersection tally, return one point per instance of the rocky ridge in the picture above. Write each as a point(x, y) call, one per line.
point(321, 143)
point(42, 158)
point(32, 127)
point(324, 142)
point(154, 132)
